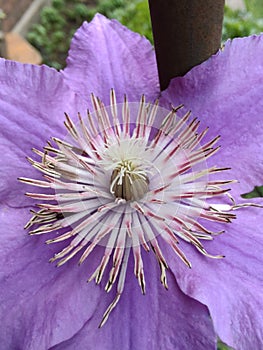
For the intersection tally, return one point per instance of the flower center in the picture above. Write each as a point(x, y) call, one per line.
point(160, 172)
point(128, 182)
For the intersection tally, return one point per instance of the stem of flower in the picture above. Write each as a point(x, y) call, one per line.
point(185, 34)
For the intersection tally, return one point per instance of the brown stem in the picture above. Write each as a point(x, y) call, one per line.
point(186, 33)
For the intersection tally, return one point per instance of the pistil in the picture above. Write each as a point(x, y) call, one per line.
point(128, 182)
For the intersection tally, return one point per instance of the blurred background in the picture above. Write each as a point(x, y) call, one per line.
point(39, 31)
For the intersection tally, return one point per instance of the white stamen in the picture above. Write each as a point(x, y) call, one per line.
point(120, 182)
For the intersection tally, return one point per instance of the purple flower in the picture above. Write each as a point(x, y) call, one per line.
point(43, 307)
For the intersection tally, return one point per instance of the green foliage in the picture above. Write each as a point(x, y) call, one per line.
point(222, 346)
point(57, 24)
point(133, 14)
point(255, 7)
point(239, 23)
point(59, 21)
point(256, 192)
point(107, 7)
point(136, 16)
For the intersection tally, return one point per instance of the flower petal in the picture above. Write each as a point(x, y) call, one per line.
point(225, 92)
point(231, 287)
point(158, 320)
point(104, 55)
point(40, 305)
point(33, 102)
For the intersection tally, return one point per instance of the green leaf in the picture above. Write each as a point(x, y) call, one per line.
point(256, 192)
point(222, 346)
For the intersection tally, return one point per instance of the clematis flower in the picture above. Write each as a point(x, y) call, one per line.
point(44, 307)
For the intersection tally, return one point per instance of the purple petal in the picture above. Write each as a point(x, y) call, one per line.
point(104, 55)
point(226, 92)
point(40, 305)
point(231, 287)
point(33, 102)
point(158, 320)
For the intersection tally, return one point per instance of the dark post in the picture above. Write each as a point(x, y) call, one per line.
point(186, 33)
point(2, 37)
